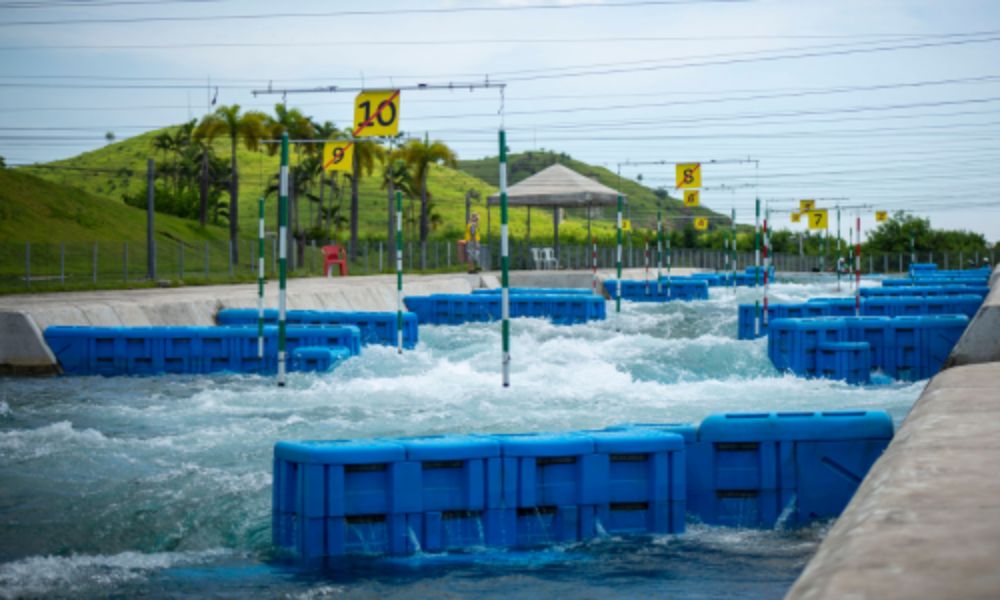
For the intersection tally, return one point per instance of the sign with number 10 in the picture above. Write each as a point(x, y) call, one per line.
point(376, 113)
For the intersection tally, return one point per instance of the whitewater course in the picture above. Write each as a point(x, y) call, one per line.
point(672, 458)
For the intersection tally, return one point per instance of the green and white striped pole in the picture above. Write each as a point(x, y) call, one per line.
point(260, 279)
point(399, 272)
point(756, 251)
point(659, 250)
point(732, 245)
point(505, 264)
point(618, 257)
point(282, 255)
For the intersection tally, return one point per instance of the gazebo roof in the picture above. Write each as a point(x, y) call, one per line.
point(560, 186)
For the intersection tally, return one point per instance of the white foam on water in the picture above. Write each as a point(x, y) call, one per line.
point(40, 576)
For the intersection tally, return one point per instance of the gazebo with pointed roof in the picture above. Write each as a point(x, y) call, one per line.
point(555, 187)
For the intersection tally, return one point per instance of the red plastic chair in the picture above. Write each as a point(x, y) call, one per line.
point(334, 255)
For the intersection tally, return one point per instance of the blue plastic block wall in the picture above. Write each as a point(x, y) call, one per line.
point(674, 288)
point(847, 361)
point(927, 290)
point(157, 350)
point(906, 347)
point(375, 327)
point(317, 359)
point(557, 291)
point(438, 493)
point(455, 309)
point(754, 469)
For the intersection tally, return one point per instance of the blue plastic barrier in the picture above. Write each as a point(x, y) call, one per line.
point(676, 288)
point(157, 350)
point(317, 359)
point(906, 347)
point(438, 493)
point(848, 361)
point(756, 469)
point(375, 327)
point(556, 291)
point(455, 309)
point(793, 344)
point(921, 281)
point(458, 484)
point(927, 290)
point(342, 497)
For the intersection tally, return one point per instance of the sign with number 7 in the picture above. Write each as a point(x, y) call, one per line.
point(818, 219)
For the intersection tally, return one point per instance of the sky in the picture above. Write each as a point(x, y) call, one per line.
point(869, 104)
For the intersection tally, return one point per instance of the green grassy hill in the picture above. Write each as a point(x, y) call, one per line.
point(38, 210)
point(119, 168)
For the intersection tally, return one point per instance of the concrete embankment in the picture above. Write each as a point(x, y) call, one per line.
point(24, 317)
point(925, 522)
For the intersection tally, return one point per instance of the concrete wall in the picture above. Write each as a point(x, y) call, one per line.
point(24, 317)
point(925, 522)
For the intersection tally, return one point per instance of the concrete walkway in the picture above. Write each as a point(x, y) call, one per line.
point(925, 522)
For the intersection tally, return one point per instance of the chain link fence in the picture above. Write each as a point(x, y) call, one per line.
point(67, 266)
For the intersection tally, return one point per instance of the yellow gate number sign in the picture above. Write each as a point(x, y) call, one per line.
point(701, 223)
point(805, 205)
point(626, 225)
point(817, 218)
point(688, 175)
point(691, 198)
point(881, 216)
point(376, 113)
point(796, 217)
point(338, 156)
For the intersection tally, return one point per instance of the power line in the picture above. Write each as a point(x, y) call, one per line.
point(362, 13)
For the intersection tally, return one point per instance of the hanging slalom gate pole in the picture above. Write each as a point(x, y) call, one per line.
point(850, 252)
point(504, 263)
point(659, 250)
point(282, 255)
point(399, 272)
point(732, 237)
point(756, 251)
point(767, 268)
point(618, 256)
point(260, 279)
point(857, 270)
point(593, 261)
point(837, 262)
point(646, 262)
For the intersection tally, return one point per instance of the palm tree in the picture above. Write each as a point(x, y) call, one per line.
point(248, 126)
point(420, 155)
point(366, 152)
point(396, 175)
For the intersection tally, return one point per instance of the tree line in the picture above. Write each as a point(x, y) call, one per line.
point(193, 181)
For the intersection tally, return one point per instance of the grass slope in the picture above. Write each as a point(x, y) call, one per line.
point(100, 172)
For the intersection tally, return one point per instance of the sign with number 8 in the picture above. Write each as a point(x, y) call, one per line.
point(688, 175)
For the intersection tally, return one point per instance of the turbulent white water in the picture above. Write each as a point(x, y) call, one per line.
point(109, 484)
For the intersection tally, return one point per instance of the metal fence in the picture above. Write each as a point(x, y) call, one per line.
point(41, 267)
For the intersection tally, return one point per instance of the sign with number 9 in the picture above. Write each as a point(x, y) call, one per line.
point(338, 156)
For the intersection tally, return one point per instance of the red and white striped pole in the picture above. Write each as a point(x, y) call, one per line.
point(593, 261)
point(767, 268)
point(857, 270)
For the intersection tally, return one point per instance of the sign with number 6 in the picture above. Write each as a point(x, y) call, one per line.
point(691, 198)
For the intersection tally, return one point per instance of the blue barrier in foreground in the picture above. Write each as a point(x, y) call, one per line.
point(676, 288)
point(455, 309)
point(437, 493)
point(158, 350)
point(375, 327)
point(887, 306)
point(909, 348)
